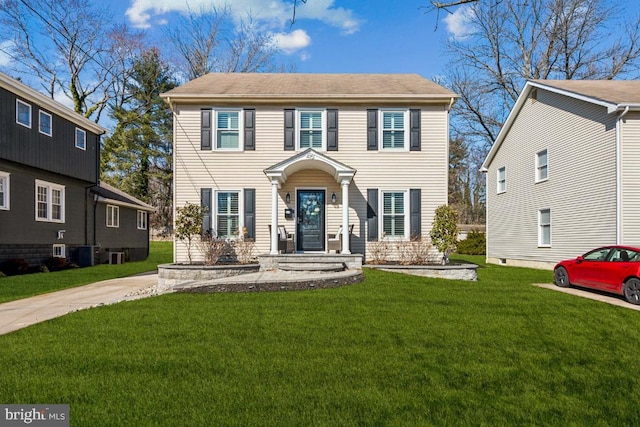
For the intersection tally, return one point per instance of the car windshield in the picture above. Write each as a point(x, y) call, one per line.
point(597, 254)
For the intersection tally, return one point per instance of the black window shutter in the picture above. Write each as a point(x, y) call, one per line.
point(415, 221)
point(250, 130)
point(250, 212)
point(332, 130)
point(372, 214)
point(289, 130)
point(372, 129)
point(414, 123)
point(205, 127)
point(205, 203)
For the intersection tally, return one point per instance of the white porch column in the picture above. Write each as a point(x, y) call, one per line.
point(274, 216)
point(345, 217)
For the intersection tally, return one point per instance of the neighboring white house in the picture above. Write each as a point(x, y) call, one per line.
point(563, 176)
point(315, 153)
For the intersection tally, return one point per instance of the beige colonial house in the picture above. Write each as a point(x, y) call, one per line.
point(563, 176)
point(311, 163)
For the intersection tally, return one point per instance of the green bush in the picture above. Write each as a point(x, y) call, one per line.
point(474, 244)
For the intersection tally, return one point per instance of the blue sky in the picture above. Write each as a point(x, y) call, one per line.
point(329, 36)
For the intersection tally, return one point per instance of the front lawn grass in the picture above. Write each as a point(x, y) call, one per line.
point(28, 285)
point(392, 350)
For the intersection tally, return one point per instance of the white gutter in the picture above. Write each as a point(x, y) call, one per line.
point(618, 176)
point(124, 204)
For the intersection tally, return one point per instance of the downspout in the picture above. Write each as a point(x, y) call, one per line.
point(618, 176)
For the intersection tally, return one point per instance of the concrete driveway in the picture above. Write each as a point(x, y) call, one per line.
point(19, 314)
point(592, 294)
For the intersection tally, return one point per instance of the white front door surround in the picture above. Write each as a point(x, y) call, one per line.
point(310, 159)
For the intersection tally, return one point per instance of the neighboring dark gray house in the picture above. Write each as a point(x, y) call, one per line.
point(51, 201)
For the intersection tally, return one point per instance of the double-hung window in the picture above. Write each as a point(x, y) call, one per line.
point(228, 130)
point(227, 213)
point(311, 129)
point(4, 190)
point(542, 172)
point(394, 129)
point(502, 180)
point(394, 218)
point(81, 139)
point(544, 228)
point(44, 123)
point(142, 220)
point(23, 113)
point(113, 216)
point(49, 202)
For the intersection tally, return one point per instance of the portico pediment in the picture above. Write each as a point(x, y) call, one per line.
point(310, 159)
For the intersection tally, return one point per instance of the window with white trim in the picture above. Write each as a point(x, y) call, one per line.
point(4, 190)
point(227, 208)
point(142, 220)
point(113, 216)
point(311, 129)
point(23, 113)
point(542, 163)
point(394, 218)
point(228, 135)
point(59, 251)
point(394, 129)
point(502, 180)
point(81, 139)
point(44, 123)
point(544, 228)
point(49, 202)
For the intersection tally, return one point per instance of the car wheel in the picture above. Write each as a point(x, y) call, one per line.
point(631, 290)
point(561, 277)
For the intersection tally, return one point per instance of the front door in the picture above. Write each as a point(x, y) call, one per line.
point(310, 218)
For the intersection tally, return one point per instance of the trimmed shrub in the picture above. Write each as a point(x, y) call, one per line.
point(14, 267)
point(56, 264)
point(474, 244)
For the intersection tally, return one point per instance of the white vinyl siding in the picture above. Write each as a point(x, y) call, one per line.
point(142, 220)
point(542, 166)
point(582, 198)
point(502, 180)
point(196, 169)
point(113, 216)
point(311, 129)
point(394, 129)
point(227, 209)
point(81, 139)
point(4, 190)
point(45, 123)
point(630, 179)
point(23, 113)
point(544, 228)
point(50, 202)
point(394, 213)
point(228, 135)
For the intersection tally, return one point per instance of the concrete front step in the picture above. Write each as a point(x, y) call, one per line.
point(308, 266)
point(270, 262)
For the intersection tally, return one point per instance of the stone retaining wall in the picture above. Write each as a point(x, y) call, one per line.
point(170, 275)
point(451, 271)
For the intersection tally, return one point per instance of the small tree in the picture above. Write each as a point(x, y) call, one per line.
point(189, 224)
point(444, 232)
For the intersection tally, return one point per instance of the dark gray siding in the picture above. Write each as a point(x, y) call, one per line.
point(125, 238)
point(56, 153)
point(21, 236)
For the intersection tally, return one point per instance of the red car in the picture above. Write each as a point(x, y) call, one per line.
point(613, 269)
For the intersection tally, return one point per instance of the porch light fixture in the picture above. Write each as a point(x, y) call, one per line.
point(287, 198)
point(333, 198)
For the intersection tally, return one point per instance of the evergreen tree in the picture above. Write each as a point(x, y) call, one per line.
point(136, 158)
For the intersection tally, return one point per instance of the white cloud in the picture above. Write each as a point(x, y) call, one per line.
point(5, 58)
point(292, 42)
point(459, 22)
point(145, 13)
